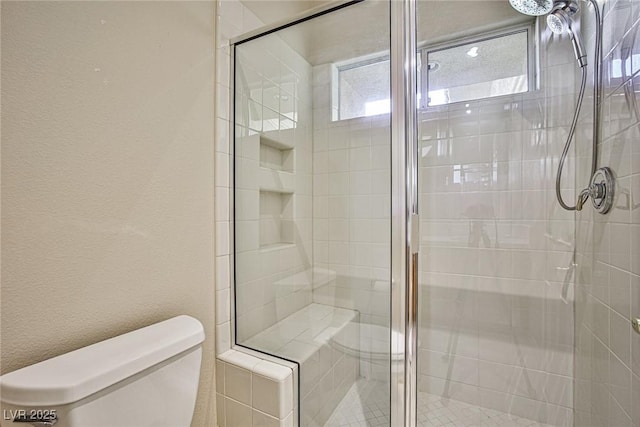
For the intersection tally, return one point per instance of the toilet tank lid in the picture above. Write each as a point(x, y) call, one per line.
point(73, 376)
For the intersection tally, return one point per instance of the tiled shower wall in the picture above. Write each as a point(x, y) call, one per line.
point(233, 19)
point(607, 350)
point(274, 87)
point(273, 181)
point(496, 319)
point(351, 188)
point(351, 212)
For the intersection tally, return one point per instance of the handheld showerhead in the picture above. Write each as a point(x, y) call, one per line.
point(559, 22)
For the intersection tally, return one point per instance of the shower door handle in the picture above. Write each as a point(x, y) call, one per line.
point(415, 234)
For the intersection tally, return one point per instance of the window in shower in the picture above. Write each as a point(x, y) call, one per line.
point(362, 88)
point(482, 67)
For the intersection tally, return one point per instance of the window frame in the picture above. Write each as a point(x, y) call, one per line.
point(533, 58)
point(531, 29)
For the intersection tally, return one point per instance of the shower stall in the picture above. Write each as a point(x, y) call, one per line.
point(436, 211)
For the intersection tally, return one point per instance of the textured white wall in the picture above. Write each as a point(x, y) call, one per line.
point(107, 175)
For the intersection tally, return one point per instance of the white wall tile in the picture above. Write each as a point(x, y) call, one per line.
point(263, 420)
point(238, 384)
point(219, 376)
point(220, 410)
point(222, 238)
point(223, 337)
point(223, 306)
point(266, 396)
point(237, 414)
point(222, 272)
point(605, 297)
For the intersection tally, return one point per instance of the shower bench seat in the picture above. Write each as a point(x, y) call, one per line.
point(309, 338)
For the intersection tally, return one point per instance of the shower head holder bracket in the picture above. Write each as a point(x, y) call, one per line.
point(568, 6)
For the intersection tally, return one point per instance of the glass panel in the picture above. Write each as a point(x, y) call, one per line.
point(479, 69)
point(495, 295)
point(364, 90)
point(312, 213)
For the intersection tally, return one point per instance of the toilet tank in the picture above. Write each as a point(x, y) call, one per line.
point(148, 377)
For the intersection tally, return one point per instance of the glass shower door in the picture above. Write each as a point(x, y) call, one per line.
point(312, 208)
point(495, 313)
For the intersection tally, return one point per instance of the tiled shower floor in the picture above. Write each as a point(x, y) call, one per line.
point(366, 405)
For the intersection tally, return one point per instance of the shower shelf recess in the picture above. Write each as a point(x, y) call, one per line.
point(276, 226)
point(276, 180)
point(276, 152)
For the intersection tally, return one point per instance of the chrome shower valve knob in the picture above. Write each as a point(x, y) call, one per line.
point(597, 191)
point(601, 190)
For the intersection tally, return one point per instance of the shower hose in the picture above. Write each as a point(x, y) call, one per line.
point(584, 194)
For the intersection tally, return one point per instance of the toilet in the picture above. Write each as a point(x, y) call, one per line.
point(147, 377)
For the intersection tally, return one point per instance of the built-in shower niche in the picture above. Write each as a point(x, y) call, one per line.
point(276, 182)
point(276, 219)
point(276, 154)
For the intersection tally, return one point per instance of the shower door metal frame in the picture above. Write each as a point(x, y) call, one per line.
point(404, 213)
